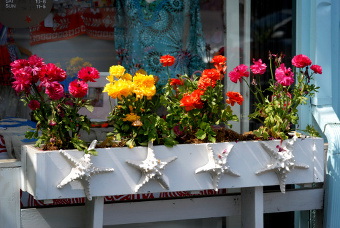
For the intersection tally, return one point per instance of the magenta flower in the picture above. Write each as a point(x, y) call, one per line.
point(258, 67)
point(34, 104)
point(54, 90)
point(317, 69)
point(78, 88)
point(51, 72)
point(301, 61)
point(238, 72)
point(284, 75)
point(88, 74)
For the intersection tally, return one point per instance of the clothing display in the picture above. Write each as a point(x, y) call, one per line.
point(146, 30)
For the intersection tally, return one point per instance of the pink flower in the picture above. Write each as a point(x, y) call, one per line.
point(88, 74)
point(258, 67)
point(51, 72)
point(238, 72)
point(301, 61)
point(284, 75)
point(18, 65)
point(78, 88)
point(23, 80)
point(54, 90)
point(317, 69)
point(34, 104)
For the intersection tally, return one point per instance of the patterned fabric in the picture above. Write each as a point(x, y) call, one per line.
point(146, 31)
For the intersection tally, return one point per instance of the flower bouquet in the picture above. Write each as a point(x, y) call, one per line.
point(197, 110)
point(276, 105)
point(54, 110)
point(135, 119)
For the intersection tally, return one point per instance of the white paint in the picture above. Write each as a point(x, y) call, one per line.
point(42, 171)
point(172, 210)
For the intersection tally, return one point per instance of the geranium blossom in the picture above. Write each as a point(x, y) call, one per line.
point(317, 69)
point(284, 75)
point(192, 101)
point(220, 63)
point(167, 60)
point(54, 90)
point(238, 72)
point(176, 82)
point(88, 74)
point(34, 104)
point(213, 74)
point(258, 67)
point(301, 61)
point(234, 97)
point(78, 88)
point(50, 72)
point(204, 82)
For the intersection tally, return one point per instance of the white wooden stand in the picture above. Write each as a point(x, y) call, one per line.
point(10, 193)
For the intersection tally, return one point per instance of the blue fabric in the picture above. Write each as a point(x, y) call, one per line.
point(16, 122)
point(146, 31)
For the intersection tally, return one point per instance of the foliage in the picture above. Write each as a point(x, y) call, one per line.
point(276, 106)
point(54, 110)
point(195, 105)
point(134, 118)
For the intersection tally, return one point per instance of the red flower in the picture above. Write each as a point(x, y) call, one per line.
point(78, 88)
point(176, 82)
point(301, 61)
point(54, 90)
point(213, 74)
point(258, 67)
point(234, 97)
point(284, 75)
point(167, 60)
point(23, 80)
point(317, 69)
point(34, 104)
point(88, 74)
point(238, 72)
point(192, 101)
point(219, 59)
point(51, 72)
point(204, 82)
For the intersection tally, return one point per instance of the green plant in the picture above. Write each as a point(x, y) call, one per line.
point(55, 111)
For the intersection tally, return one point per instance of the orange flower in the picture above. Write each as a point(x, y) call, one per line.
point(192, 101)
point(213, 74)
point(167, 60)
point(205, 81)
point(234, 97)
point(176, 82)
point(220, 63)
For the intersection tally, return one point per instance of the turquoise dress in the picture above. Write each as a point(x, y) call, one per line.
point(146, 31)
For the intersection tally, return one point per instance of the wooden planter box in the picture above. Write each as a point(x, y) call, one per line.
point(42, 171)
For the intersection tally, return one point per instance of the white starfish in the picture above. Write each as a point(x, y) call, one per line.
point(217, 166)
point(151, 168)
point(82, 171)
point(282, 163)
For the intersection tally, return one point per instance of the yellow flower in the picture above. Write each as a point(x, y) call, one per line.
point(116, 71)
point(127, 77)
point(118, 89)
point(144, 85)
point(132, 117)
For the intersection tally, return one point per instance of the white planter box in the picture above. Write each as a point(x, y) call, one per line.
point(42, 171)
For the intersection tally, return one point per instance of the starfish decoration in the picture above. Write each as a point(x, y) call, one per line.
point(151, 168)
point(282, 163)
point(83, 171)
point(217, 166)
